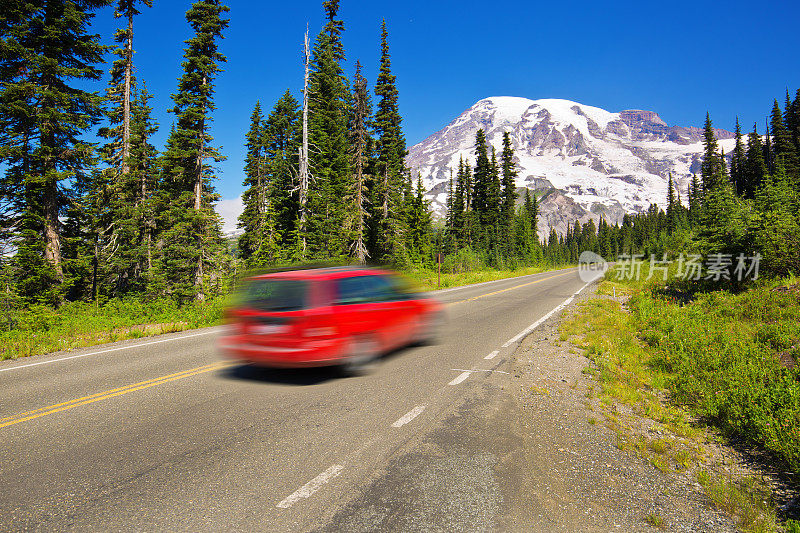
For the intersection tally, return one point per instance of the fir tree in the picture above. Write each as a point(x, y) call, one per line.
point(777, 232)
point(783, 148)
point(754, 166)
point(492, 216)
point(191, 232)
point(254, 197)
point(418, 224)
point(509, 194)
point(738, 166)
point(712, 166)
point(482, 178)
point(47, 55)
point(672, 206)
point(390, 167)
point(329, 110)
point(122, 87)
point(282, 138)
point(459, 206)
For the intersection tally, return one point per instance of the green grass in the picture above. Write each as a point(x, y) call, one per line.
point(38, 329)
point(723, 359)
point(427, 279)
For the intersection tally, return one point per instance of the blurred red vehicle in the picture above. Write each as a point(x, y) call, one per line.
point(345, 316)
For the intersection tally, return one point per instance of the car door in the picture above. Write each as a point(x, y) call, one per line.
point(396, 309)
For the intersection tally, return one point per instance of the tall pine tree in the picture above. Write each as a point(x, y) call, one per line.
point(47, 55)
point(191, 229)
point(329, 160)
point(390, 169)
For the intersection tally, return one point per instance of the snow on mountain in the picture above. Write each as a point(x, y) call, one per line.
point(587, 162)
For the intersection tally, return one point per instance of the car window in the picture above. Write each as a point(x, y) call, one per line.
point(363, 289)
point(351, 291)
point(276, 294)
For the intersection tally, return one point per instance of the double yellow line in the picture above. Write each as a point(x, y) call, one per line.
point(511, 288)
point(77, 402)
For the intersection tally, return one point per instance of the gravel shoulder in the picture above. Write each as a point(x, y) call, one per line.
point(579, 479)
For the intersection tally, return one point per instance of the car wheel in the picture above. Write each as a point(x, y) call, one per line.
point(430, 329)
point(363, 356)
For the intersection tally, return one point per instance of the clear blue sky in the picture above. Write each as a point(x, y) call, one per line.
point(677, 58)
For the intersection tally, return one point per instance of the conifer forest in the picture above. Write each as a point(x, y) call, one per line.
point(325, 176)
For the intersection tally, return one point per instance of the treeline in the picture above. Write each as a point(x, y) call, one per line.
point(326, 179)
point(742, 204)
point(85, 220)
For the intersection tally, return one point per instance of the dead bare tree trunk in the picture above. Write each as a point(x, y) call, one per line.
point(198, 196)
point(126, 98)
point(304, 154)
point(361, 112)
point(52, 250)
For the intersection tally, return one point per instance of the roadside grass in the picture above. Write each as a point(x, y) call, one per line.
point(716, 359)
point(38, 329)
point(426, 279)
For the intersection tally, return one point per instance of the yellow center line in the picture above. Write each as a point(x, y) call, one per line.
point(77, 402)
point(510, 288)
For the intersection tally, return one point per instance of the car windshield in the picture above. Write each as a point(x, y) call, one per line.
point(276, 294)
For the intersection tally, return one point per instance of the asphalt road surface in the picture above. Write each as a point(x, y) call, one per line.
point(164, 434)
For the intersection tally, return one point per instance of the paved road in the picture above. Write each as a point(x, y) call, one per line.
point(162, 433)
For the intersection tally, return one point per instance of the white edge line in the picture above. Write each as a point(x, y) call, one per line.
point(492, 355)
point(106, 351)
point(461, 377)
point(311, 487)
point(409, 416)
point(527, 331)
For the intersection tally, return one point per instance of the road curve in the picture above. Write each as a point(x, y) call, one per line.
point(162, 433)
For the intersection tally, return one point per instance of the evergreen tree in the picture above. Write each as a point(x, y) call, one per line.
point(191, 229)
point(783, 148)
point(777, 232)
point(47, 53)
point(390, 169)
point(738, 166)
point(459, 205)
point(254, 197)
point(418, 224)
point(142, 172)
point(482, 178)
point(329, 110)
point(492, 220)
point(673, 206)
point(122, 87)
point(282, 138)
point(793, 121)
point(509, 193)
point(754, 166)
point(712, 166)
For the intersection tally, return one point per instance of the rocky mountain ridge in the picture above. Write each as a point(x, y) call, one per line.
point(584, 161)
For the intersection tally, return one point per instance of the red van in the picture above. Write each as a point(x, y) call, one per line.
point(345, 316)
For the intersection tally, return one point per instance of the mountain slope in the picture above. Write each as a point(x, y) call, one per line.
point(589, 162)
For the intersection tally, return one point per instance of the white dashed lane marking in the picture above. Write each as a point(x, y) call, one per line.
point(409, 416)
point(461, 377)
point(311, 487)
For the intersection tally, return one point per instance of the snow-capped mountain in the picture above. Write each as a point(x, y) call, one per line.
point(587, 162)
